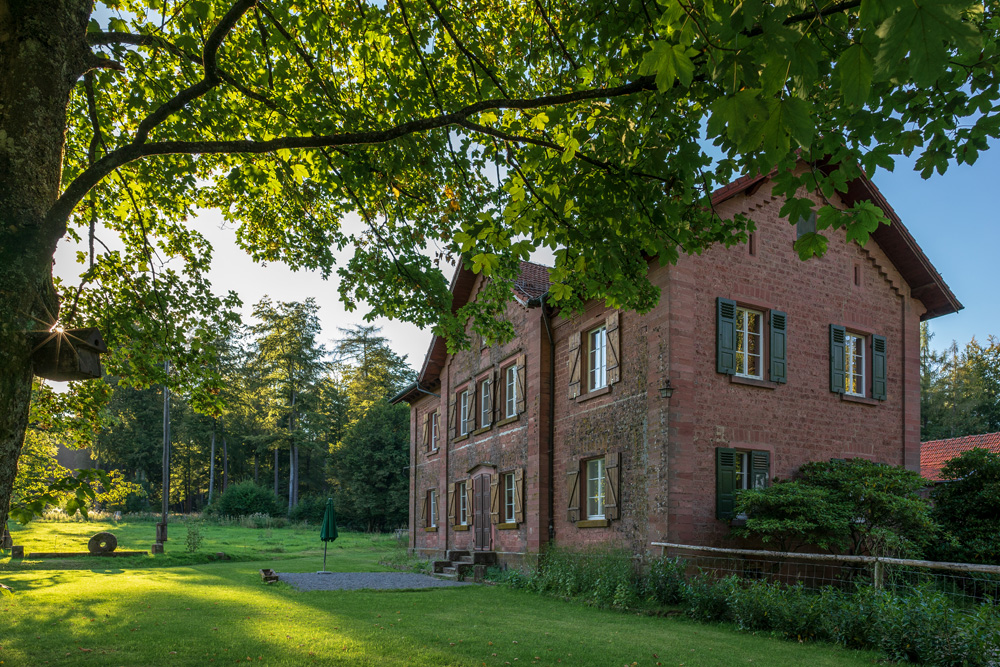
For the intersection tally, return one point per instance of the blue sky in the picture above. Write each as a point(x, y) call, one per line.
point(955, 218)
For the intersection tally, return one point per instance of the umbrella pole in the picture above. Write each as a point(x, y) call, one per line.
point(325, 544)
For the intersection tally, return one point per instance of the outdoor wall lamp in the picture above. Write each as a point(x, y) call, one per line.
point(666, 389)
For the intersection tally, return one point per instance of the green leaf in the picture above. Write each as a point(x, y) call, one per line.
point(810, 245)
point(855, 68)
point(669, 63)
point(796, 208)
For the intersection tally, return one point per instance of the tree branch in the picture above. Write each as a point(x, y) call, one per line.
point(210, 80)
point(82, 184)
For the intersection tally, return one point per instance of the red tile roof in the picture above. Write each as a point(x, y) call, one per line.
point(533, 281)
point(935, 453)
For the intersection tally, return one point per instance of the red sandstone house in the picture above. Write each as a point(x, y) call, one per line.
point(614, 427)
point(934, 454)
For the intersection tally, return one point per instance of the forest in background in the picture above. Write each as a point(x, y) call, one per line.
point(959, 388)
point(304, 420)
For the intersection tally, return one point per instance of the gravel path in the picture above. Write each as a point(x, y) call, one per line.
point(349, 581)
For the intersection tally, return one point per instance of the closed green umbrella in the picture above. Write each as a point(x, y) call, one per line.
point(328, 533)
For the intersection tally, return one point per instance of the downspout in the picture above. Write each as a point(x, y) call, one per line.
point(546, 319)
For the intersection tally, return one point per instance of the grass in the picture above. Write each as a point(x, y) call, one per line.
point(113, 613)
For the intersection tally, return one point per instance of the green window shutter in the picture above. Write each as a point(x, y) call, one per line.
point(837, 354)
point(760, 469)
point(725, 349)
point(725, 482)
point(878, 368)
point(779, 346)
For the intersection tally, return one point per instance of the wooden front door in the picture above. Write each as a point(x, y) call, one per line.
point(481, 511)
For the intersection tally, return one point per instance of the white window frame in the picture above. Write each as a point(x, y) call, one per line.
point(435, 419)
point(463, 506)
point(511, 397)
point(508, 498)
point(486, 405)
point(463, 401)
point(432, 509)
point(742, 465)
point(597, 358)
point(594, 470)
point(743, 336)
point(853, 343)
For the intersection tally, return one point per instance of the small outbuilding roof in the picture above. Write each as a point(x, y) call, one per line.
point(935, 453)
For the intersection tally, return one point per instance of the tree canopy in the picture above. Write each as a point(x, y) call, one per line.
point(473, 131)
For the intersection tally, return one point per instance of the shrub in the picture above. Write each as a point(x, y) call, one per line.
point(664, 582)
point(925, 627)
point(309, 510)
point(194, 537)
point(246, 498)
point(966, 505)
point(603, 577)
point(857, 505)
point(707, 598)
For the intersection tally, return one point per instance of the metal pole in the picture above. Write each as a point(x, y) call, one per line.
point(161, 528)
point(325, 545)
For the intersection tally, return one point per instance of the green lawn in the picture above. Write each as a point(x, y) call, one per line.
point(112, 613)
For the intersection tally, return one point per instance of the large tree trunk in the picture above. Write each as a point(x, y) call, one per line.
point(42, 54)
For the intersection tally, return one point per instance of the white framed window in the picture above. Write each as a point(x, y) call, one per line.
point(485, 403)
point(463, 505)
point(741, 470)
point(510, 404)
point(463, 401)
point(432, 508)
point(434, 430)
point(508, 498)
point(595, 488)
point(597, 360)
point(854, 364)
point(749, 343)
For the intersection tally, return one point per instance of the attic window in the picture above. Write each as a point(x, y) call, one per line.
point(805, 226)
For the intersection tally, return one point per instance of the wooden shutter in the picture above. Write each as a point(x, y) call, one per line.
point(614, 339)
point(725, 348)
point(424, 435)
point(519, 495)
point(837, 354)
point(573, 505)
point(496, 395)
point(469, 514)
point(879, 375)
point(779, 346)
point(494, 499)
point(423, 510)
point(452, 509)
point(760, 469)
point(725, 482)
point(522, 385)
point(574, 364)
point(452, 418)
point(612, 485)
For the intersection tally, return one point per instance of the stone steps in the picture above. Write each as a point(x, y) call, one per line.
point(461, 564)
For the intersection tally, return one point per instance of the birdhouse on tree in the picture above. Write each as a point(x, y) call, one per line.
point(68, 354)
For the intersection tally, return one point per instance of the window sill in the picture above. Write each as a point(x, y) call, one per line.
point(484, 429)
point(506, 526)
point(752, 382)
point(594, 394)
point(508, 420)
point(864, 400)
point(461, 438)
point(459, 527)
point(431, 529)
point(432, 452)
point(593, 523)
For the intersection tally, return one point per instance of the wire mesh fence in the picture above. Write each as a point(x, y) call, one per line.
point(966, 584)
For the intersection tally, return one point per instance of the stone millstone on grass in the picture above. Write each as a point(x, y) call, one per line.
point(102, 543)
